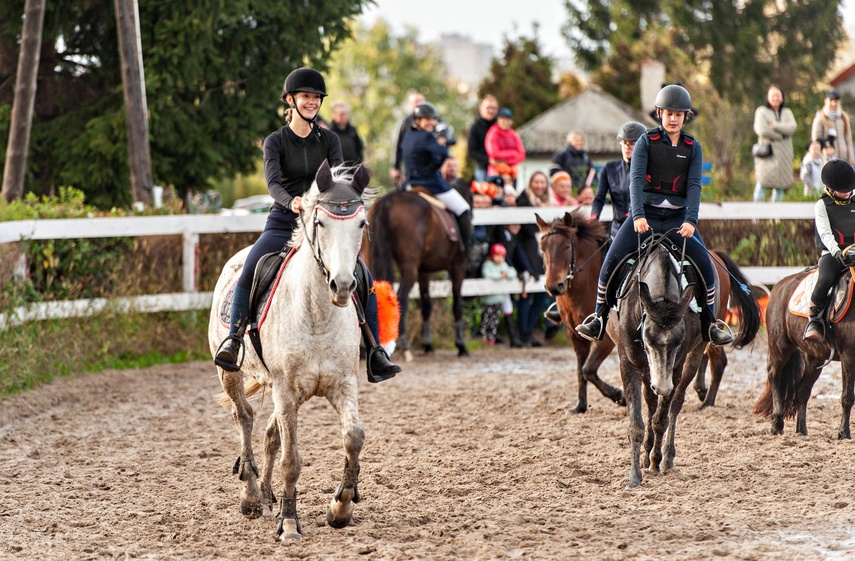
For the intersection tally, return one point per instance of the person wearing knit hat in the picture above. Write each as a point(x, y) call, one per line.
point(834, 219)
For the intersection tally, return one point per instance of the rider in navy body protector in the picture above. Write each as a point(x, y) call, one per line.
point(665, 196)
point(835, 231)
point(423, 156)
point(292, 157)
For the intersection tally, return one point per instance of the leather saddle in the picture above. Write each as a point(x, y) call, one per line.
point(447, 220)
point(619, 281)
point(268, 271)
point(838, 304)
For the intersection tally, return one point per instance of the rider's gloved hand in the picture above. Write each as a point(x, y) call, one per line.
point(837, 254)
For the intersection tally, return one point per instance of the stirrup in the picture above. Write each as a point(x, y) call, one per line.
point(587, 323)
point(227, 365)
point(721, 324)
point(816, 335)
point(552, 314)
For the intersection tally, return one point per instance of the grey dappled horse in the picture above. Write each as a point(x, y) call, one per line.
point(310, 345)
point(660, 347)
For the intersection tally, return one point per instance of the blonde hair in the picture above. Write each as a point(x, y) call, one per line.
point(535, 199)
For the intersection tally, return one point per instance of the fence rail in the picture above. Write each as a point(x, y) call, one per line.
point(190, 227)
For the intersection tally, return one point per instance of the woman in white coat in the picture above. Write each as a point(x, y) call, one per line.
point(774, 126)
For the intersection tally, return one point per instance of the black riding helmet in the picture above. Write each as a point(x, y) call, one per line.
point(631, 131)
point(839, 176)
point(304, 80)
point(675, 98)
point(424, 110)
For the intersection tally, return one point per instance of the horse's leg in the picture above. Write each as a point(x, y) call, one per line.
point(427, 308)
point(631, 378)
point(813, 368)
point(457, 274)
point(409, 275)
point(701, 378)
point(340, 510)
point(779, 357)
point(271, 448)
point(717, 359)
point(847, 395)
point(290, 465)
point(679, 397)
point(582, 349)
point(598, 353)
point(652, 402)
point(659, 423)
point(245, 467)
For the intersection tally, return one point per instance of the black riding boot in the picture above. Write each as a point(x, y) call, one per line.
point(229, 350)
point(711, 332)
point(464, 224)
point(594, 326)
point(815, 330)
point(513, 332)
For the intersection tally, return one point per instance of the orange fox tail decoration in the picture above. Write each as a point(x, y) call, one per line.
point(388, 312)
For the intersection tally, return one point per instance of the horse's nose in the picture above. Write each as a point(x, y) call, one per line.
point(662, 389)
point(556, 289)
point(334, 286)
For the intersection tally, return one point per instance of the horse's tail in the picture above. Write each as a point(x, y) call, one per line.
point(789, 378)
point(380, 250)
point(250, 388)
point(746, 305)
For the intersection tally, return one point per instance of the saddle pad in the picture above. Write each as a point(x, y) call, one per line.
point(263, 300)
point(841, 296)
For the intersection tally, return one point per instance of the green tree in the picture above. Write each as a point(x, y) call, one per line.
point(742, 45)
point(373, 72)
point(214, 72)
point(522, 79)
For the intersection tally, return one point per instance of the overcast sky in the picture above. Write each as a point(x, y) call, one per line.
point(489, 21)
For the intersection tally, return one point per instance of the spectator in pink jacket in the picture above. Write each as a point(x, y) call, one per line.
point(503, 144)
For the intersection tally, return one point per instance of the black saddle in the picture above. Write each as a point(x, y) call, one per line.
point(618, 283)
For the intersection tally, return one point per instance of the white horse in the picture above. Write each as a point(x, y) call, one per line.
point(310, 343)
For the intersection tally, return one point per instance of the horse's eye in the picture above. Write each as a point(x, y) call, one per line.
point(363, 223)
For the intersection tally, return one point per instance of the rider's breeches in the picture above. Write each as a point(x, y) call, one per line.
point(829, 267)
point(454, 201)
point(660, 220)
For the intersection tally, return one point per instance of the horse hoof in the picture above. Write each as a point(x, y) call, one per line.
point(620, 400)
point(580, 408)
point(251, 510)
point(339, 514)
point(462, 351)
point(429, 349)
point(290, 531)
point(408, 356)
point(633, 483)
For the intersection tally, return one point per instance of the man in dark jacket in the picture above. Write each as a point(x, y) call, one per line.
point(575, 161)
point(351, 144)
point(487, 111)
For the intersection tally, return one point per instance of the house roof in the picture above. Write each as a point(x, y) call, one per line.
point(597, 114)
point(843, 76)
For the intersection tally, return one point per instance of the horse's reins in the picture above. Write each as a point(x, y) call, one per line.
point(573, 271)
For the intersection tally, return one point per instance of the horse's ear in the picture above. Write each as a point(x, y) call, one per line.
point(568, 219)
point(324, 177)
point(541, 223)
point(686, 297)
point(361, 178)
point(644, 295)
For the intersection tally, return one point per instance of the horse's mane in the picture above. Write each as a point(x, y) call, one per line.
point(310, 199)
point(585, 229)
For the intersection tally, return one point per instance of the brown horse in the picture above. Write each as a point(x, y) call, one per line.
point(573, 251)
point(403, 227)
point(793, 364)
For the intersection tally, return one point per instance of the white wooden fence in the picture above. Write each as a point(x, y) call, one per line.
point(190, 227)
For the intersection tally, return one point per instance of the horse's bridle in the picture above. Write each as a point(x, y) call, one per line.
point(572, 271)
point(329, 206)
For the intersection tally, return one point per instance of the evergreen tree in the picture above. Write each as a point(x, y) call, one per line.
point(213, 70)
point(522, 79)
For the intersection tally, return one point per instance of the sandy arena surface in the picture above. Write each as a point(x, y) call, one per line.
point(472, 458)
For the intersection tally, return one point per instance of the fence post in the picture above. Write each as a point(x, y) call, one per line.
point(190, 245)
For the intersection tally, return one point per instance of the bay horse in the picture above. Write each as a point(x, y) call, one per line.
point(311, 341)
point(660, 348)
point(404, 228)
point(793, 365)
point(573, 251)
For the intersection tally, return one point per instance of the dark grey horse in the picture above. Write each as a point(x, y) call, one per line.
point(659, 342)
